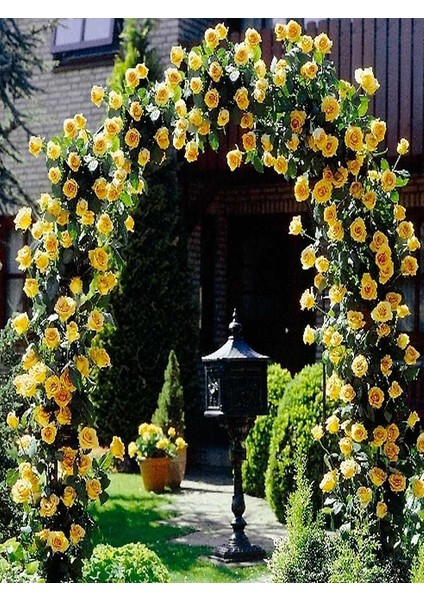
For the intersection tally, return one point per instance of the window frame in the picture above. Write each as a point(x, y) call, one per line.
point(6, 224)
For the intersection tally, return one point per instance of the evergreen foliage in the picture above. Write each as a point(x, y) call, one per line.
point(300, 409)
point(170, 410)
point(258, 440)
point(18, 62)
point(306, 555)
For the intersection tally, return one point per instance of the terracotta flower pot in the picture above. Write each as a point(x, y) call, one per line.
point(177, 469)
point(154, 472)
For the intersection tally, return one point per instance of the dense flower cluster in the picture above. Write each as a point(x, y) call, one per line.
point(152, 442)
point(296, 118)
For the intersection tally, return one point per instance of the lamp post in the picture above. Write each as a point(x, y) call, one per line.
point(236, 392)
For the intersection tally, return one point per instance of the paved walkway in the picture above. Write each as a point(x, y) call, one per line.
point(204, 504)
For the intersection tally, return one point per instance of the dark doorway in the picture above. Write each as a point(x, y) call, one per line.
point(265, 282)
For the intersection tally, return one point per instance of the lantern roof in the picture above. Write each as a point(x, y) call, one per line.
point(235, 348)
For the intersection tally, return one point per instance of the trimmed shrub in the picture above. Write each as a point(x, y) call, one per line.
point(306, 554)
point(17, 565)
point(301, 408)
point(258, 440)
point(132, 563)
point(10, 513)
point(170, 410)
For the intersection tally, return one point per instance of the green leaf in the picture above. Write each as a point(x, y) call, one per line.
point(12, 476)
point(213, 138)
point(363, 106)
point(106, 461)
point(257, 53)
point(258, 164)
point(401, 182)
point(385, 165)
point(177, 94)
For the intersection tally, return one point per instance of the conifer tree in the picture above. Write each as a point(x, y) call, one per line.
point(170, 410)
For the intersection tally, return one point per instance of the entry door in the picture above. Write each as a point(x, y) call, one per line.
point(265, 281)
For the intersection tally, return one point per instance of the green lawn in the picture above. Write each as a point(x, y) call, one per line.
point(133, 515)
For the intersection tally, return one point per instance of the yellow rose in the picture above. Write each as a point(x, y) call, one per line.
point(99, 259)
point(84, 464)
point(386, 364)
point(75, 286)
point(48, 433)
point(366, 80)
point(358, 432)
point(106, 282)
point(336, 293)
point(306, 43)
point(397, 482)
point(293, 143)
point(395, 390)
point(88, 438)
point(72, 332)
point(348, 468)
point(309, 335)
point(132, 138)
point(402, 147)
point(375, 397)
point(382, 312)
point(420, 443)
point(115, 100)
point(132, 77)
point(176, 55)
point(307, 258)
point(317, 432)
point(104, 224)
point(162, 138)
point(381, 510)
point(369, 199)
point(191, 152)
point(307, 300)
point(322, 191)
point(81, 363)
point(354, 138)
point(221, 30)
point(332, 424)
point(413, 244)
point(97, 95)
point(20, 323)
point(234, 159)
point(12, 420)
point(194, 60)
point(391, 450)
point(301, 189)
point(24, 258)
point(346, 446)
point(142, 70)
point(76, 534)
point(330, 214)
point(296, 227)
point(377, 476)
point(279, 77)
point(280, 165)
point(31, 287)
point(418, 488)
point(95, 320)
point(241, 98)
point(380, 436)
point(388, 180)
point(358, 230)
point(64, 415)
point(409, 266)
point(51, 338)
point(93, 488)
point(411, 355)
point(293, 31)
point(23, 219)
point(365, 495)
point(69, 496)
point(241, 54)
point(413, 419)
point(215, 71)
point(57, 541)
point(328, 482)
point(309, 69)
point(35, 145)
point(347, 393)
point(359, 366)
point(21, 491)
point(132, 450)
point(48, 505)
point(323, 44)
point(100, 357)
point(117, 448)
point(65, 307)
point(280, 31)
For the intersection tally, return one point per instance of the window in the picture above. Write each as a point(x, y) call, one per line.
point(11, 278)
point(413, 287)
point(75, 39)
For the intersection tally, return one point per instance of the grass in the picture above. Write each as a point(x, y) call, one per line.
point(133, 515)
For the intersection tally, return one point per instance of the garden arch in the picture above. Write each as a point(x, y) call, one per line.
point(297, 118)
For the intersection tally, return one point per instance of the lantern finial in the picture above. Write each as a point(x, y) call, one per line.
point(235, 326)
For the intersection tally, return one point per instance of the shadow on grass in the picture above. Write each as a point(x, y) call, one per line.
point(132, 515)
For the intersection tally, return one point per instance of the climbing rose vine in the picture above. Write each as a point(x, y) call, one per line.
point(296, 118)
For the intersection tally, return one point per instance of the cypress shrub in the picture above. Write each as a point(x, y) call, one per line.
point(170, 410)
point(258, 440)
point(300, 410)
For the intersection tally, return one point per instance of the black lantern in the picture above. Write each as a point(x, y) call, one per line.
point(236, 391)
